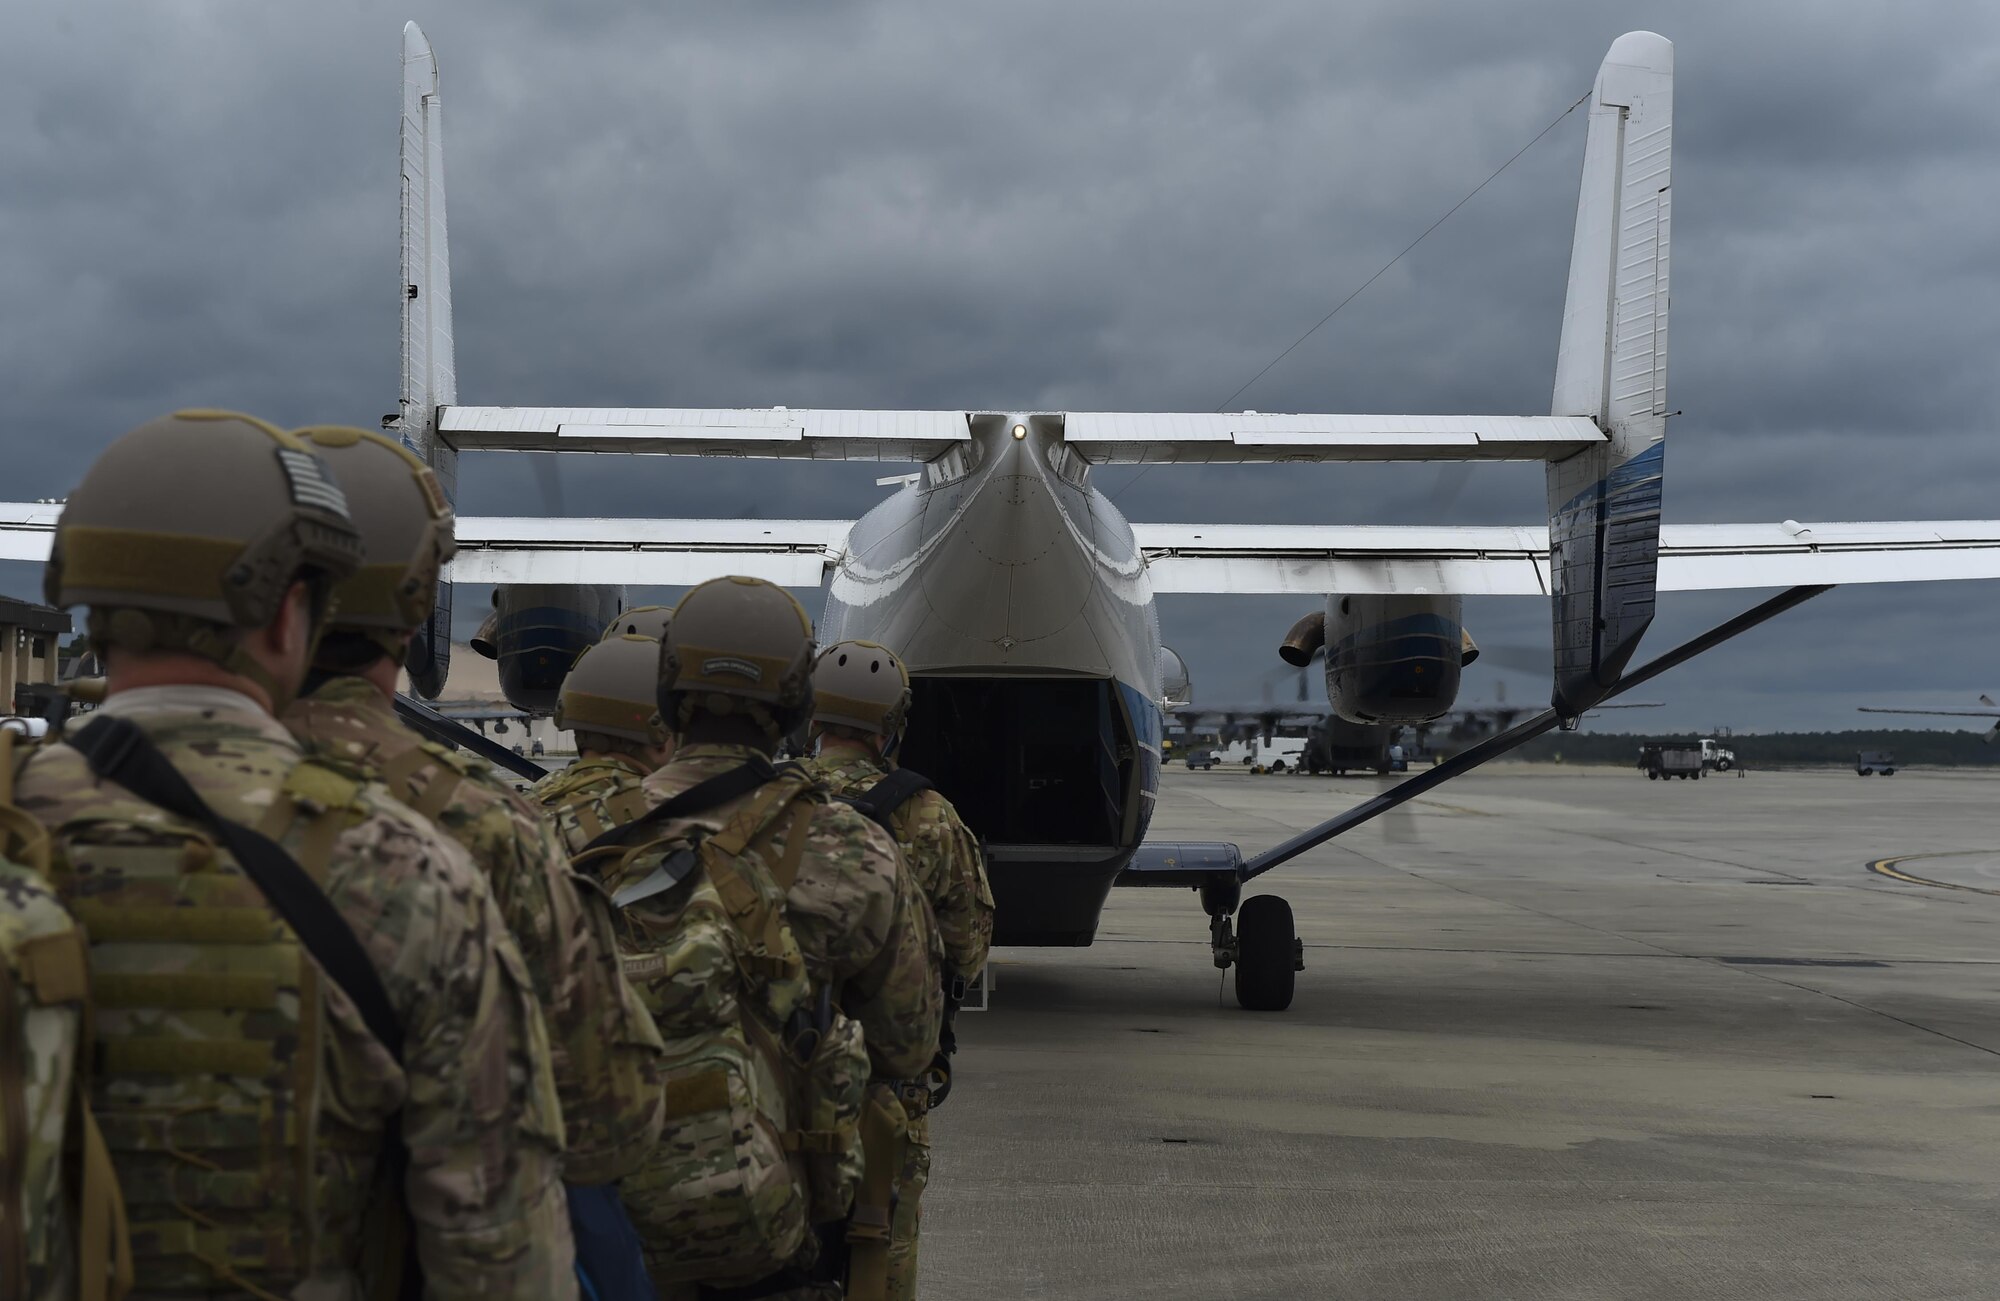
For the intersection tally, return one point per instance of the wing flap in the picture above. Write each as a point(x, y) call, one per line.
point(644, 552)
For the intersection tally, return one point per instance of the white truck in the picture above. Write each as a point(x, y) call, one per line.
point(1716, 757)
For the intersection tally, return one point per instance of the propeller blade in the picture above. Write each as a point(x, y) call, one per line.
point(1987, 701)
point(548, 479)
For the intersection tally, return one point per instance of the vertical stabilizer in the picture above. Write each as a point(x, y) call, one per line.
point(1604, 504)
point(429, 378)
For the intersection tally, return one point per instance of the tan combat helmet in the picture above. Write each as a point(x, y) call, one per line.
point(193, 526)
point(405, 525)
point(611, 691)
point(861, 685)
point(641, 621)
point(738, 645)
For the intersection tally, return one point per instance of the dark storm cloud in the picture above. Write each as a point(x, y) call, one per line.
point(1045, 205)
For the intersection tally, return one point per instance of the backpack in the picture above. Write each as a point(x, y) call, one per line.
point(206, 1014)
point(896, 788)
point(50, 1146)
point(764, 1075)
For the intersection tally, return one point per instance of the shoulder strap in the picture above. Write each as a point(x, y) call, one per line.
point(118, 751)
point(896, 789)
point(719, 789)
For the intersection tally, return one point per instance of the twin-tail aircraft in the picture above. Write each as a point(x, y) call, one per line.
point(1023, 601)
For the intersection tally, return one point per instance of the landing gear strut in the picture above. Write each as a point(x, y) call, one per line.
point(1264, 946)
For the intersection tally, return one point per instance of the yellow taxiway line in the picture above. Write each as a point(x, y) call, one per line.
point(1887, 867)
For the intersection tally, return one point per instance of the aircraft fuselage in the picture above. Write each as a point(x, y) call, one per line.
point(1018, 598)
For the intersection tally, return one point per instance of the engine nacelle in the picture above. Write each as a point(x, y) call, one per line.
point(1393, 659)
point(537, 631)
point(1176, 683)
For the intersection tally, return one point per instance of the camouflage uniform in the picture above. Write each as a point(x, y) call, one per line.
point(606, 1051)
point(34, 1200)
point(591, 796)
point(944, 859)
point(861, 925)
point(473, 1095)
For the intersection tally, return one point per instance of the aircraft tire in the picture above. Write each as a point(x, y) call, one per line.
point(1266, 942)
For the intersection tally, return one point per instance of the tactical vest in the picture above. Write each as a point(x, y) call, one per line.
point(566, 800)
point(764, 1076)
point(50, 1146)
point(206, 1040)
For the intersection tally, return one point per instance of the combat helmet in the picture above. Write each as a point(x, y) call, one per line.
point(406, 528)
point(738, 645)
point(194, 526)
point(611, 691)
point(861, 685)
point(640, 621)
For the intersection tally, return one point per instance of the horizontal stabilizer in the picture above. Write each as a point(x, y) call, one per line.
point(1103, 438)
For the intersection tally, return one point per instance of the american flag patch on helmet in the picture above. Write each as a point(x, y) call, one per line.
point(310, 484)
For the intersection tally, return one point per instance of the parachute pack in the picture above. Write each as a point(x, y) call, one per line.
point(765, 1076)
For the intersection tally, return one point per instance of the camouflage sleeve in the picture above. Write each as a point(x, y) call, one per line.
point(961, 901)
point(480, 1116)
point(606, 1053)
point(35, 1076)
point(876, 933)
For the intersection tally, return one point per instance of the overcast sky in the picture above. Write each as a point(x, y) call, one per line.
point(1050, 205)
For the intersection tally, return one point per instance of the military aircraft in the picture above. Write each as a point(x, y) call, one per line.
point(1991, 711)
point(1023, 601)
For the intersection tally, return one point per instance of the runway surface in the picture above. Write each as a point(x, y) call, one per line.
point(1561, 1034)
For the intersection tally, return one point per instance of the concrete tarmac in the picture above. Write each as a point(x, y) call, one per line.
point(1562, 1033)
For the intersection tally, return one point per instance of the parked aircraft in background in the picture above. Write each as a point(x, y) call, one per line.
point(1991, 711)
point(1023, 602)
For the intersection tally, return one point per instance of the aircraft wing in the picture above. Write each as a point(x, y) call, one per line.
point(643, 552)
point(532, 549)
point(1286, 559)
point(25, 529)
point(1102, 438)
point(1940, 713)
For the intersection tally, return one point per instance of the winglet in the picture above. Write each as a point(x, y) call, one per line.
point(1604, 502)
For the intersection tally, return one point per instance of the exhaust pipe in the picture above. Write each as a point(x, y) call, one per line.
point(482, 641)
point(1306, 639)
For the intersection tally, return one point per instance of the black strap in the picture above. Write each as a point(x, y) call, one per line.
point(719, 789)
point(895, 790)
point(117, 750)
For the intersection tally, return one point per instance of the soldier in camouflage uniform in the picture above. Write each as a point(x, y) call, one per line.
point(861, 701)
point(735, 678)
point(607, 701)
point(44, 970)
point(207, 545)
point(606, 1051)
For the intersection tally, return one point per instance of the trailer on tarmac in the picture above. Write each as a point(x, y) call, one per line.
point(1682, 759)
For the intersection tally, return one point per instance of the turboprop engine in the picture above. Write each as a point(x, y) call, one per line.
point(537, 631)
point(1389, 659)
